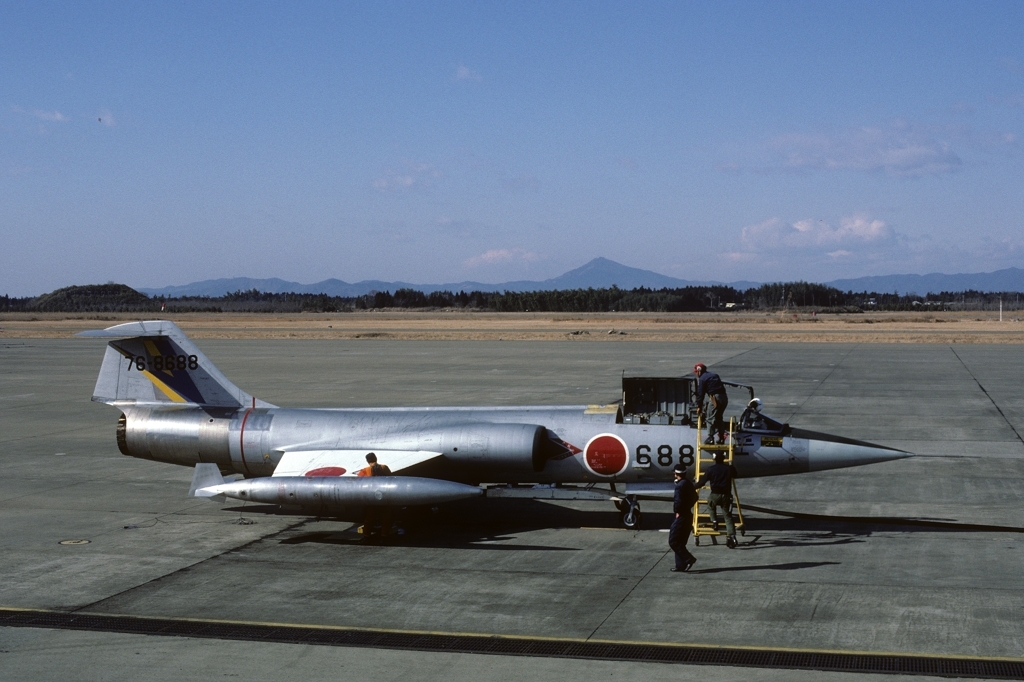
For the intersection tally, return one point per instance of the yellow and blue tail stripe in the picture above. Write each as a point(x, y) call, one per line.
point(164, 363)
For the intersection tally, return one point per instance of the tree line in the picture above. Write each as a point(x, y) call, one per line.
point(796, 296)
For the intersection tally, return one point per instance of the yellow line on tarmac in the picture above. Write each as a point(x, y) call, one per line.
point(520, 638)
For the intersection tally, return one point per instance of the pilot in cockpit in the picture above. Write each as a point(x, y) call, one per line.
point(752, 419)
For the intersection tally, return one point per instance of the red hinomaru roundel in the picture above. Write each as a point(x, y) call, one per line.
point(605, 455)
point(326, 471)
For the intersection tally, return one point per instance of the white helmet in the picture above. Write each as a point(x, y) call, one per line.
point(755, 404)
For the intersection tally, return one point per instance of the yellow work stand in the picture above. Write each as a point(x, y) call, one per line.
point(705, 458)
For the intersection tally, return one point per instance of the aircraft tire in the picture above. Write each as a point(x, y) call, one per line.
point(632, 518)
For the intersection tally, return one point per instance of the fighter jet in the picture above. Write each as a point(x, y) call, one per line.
point(176, 407)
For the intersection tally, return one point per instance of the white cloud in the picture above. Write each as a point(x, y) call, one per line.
point(500, 256)
point(411, 174)
point(854, 233)
point(900, 149)
point(464, 73)
point(777, 251)
point(54, 116)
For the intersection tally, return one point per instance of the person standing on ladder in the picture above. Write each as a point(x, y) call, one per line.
point(710, 385)
point(720, 475)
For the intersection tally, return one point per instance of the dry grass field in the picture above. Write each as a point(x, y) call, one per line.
point(880, 327)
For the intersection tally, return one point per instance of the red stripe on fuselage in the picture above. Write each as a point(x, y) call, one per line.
point(241, 440)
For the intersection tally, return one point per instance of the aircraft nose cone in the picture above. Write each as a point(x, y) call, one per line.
point(825, 451)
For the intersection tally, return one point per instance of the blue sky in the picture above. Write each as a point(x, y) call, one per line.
point(162, 143)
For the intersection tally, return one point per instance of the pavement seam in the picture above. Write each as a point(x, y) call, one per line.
point(832, 371)
point(994, 404)
point(192, 565)
point(850, 661)
point(626, 596)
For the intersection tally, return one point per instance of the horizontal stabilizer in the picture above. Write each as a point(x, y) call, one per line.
point(141, 328)
point(346, 462)
point(204, 477)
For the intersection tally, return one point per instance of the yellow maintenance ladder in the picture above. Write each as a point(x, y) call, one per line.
point(705, 458)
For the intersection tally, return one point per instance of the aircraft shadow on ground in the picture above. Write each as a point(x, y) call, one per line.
point(470, 523)
point(490, 523)
point(793, 566)
point(432, 539)
point(867, 526)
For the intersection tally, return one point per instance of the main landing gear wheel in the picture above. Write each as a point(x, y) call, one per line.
point(631, 517)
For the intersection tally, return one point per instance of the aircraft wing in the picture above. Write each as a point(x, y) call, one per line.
point(346, 462)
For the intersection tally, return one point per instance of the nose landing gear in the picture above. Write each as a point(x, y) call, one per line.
point(630, 508)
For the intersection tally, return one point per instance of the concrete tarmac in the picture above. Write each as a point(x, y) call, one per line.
point(918, 556)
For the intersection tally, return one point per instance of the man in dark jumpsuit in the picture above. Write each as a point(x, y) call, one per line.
point(720, 475)
point(682, 525)
point(710, 385)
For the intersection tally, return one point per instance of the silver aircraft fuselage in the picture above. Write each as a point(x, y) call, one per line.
point(492, 445)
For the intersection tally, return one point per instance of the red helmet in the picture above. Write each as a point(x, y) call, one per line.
point(700, 367)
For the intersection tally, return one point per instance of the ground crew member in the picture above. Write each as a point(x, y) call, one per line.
point(709, 384)
point(374, 469)
point(375, 515)
point(679, 533)
point(720, 475)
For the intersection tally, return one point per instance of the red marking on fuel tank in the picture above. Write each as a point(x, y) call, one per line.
point(606, 455)
point(325, 471)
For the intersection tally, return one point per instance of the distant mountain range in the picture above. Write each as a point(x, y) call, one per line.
point(599, 273)
point(1010, 279)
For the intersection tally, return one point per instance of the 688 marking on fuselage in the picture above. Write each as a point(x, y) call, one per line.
point(664, 455)
point(606, 455)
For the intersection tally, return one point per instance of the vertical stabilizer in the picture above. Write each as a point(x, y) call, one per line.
point(153, 363)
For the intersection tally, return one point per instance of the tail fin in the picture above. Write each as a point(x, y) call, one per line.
point(153, 363)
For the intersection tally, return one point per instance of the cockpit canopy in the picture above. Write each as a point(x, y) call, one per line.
point(753, 421)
